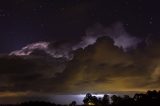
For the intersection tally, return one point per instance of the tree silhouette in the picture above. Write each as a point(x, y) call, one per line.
point(105, 100)
point(90, 100)
point(87, 98)
point(73, 103)
point(150, 98)
point(116, 100)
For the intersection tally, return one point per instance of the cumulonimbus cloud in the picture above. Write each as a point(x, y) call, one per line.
point(117, 32)
point(101, 53)
point(100, 67)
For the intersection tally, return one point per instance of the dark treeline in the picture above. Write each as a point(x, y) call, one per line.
point(150, 98)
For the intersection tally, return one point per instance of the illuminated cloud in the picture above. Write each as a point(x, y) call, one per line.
point(27, 50)
point(104, 67)
point(86, 41)
point(126, 42)
point(121, 39)
point(117, 32)
point(45, 47)
point(97, 63)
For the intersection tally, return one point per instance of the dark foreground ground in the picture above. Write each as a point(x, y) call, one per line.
point(151, 98)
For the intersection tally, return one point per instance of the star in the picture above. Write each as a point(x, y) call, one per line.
point(150, 22)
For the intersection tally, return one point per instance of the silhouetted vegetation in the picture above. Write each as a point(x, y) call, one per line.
point(150, 98)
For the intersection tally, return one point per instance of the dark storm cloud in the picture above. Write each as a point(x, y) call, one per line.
point(28, 73)
point(96, 68)
point(107, 58)
point(136, 70)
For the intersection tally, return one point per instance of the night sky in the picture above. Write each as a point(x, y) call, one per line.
point(50, 47)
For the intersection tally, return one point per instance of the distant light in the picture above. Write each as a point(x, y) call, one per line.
point(91, 104)
point(81, 95)
point(97, 95)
